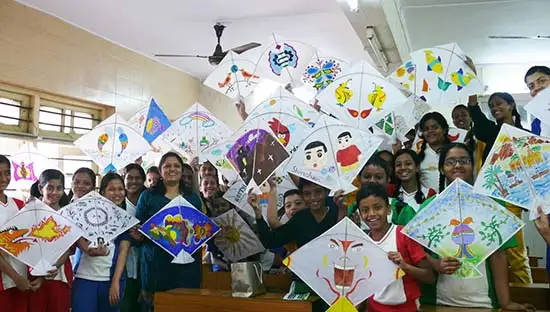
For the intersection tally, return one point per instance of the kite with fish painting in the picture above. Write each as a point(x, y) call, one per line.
point(180, 229)
point(196, 130)
point(461, 224)
point(517, 170)
point(343, 264)
point(236, 240)
point(256, 153)
point(333, 154)
point(99, 218)
point(282, 101)
point(38, 236)
point(27, 163)
point(284, 60)
point(234, 76)
point(438, 75)
point(360, 97)
point(113, 144)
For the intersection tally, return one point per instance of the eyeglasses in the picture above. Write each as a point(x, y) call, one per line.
point(454, 161)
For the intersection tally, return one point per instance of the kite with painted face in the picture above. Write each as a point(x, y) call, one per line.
point(343, 263)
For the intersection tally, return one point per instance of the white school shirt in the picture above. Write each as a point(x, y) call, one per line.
point(8, 210)
point(132, 262)
point(469, 293)
point(409, 198)
point(429, 171)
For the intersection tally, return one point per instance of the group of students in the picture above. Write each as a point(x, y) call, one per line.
point(392, 187)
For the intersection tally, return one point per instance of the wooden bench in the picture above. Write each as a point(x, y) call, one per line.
point(539, 275)
point(535, 294)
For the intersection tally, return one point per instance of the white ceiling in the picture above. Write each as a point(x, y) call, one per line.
point(185, 27)
point(470, 22)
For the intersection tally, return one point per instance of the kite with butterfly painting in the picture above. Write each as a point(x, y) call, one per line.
point(438, 75)
point(113, 144)
point(234, 76)
point(194, 131)
point(27, 163)
point(322, 70)
point(360, 97)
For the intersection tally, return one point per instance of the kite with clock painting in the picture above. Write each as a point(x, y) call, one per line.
point(234, 76)
point(360, 97)
point(27, 163)
point(438, 75)
point(333, 154)
point(282, 101)
point(180, 229)
point(343, 266)
point(284, 60)
point(38, 236)
point(195, 131)
point(100, 219)
point(113, 144)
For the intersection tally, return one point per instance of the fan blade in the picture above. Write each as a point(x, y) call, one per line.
point(180, 55)
point(519, 37)
point(245, 47)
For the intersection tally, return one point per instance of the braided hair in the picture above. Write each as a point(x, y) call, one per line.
point(443, 155)
point(419, 197)
point(509, 99)
point(441, 121)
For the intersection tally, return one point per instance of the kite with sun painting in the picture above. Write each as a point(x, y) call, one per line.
point(234, 77)
point(38, 236)
point(333, 154)
point(360, 97)
point(343, 265)
point(195, 131)
point(236, 240)
point(99, 218)
point(438, 75)
point(113, 144)
point(180, 229)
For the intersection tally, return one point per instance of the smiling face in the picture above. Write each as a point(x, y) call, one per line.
point(207, 169)
point(152, 179)
point(374, 212)
point(209, 186)
point(458, 164)
point(171, 171)
point(314, 196)
point(461, 119)
point(5, 176)
point(433, 133)
point(315, 157)
point(133, 181)
point(82, 185)
point(500, 109)
point(115, 192)
point(52, 192)
point(405, 168)
point(537, 82)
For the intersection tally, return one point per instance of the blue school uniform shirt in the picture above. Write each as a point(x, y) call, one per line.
point(158, 273)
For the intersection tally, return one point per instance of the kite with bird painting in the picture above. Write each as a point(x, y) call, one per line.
point(234, 76)
point(360, 96)
point(180, 229)
point(333, 154)
point(196, 130)
point(465, 225)
point(438, 75)
point(38, 236)
point(27, 163)
point(113, 144)
point(343, 266)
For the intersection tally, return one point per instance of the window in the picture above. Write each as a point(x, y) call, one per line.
point(14, 112)
point(65, 122)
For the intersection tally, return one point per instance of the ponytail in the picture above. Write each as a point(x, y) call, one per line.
point(517, 118)
point(419, 196)
point(422, 153)
point(441, 183)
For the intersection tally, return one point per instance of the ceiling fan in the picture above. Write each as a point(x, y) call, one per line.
point(219, 54)
point(539, 37)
